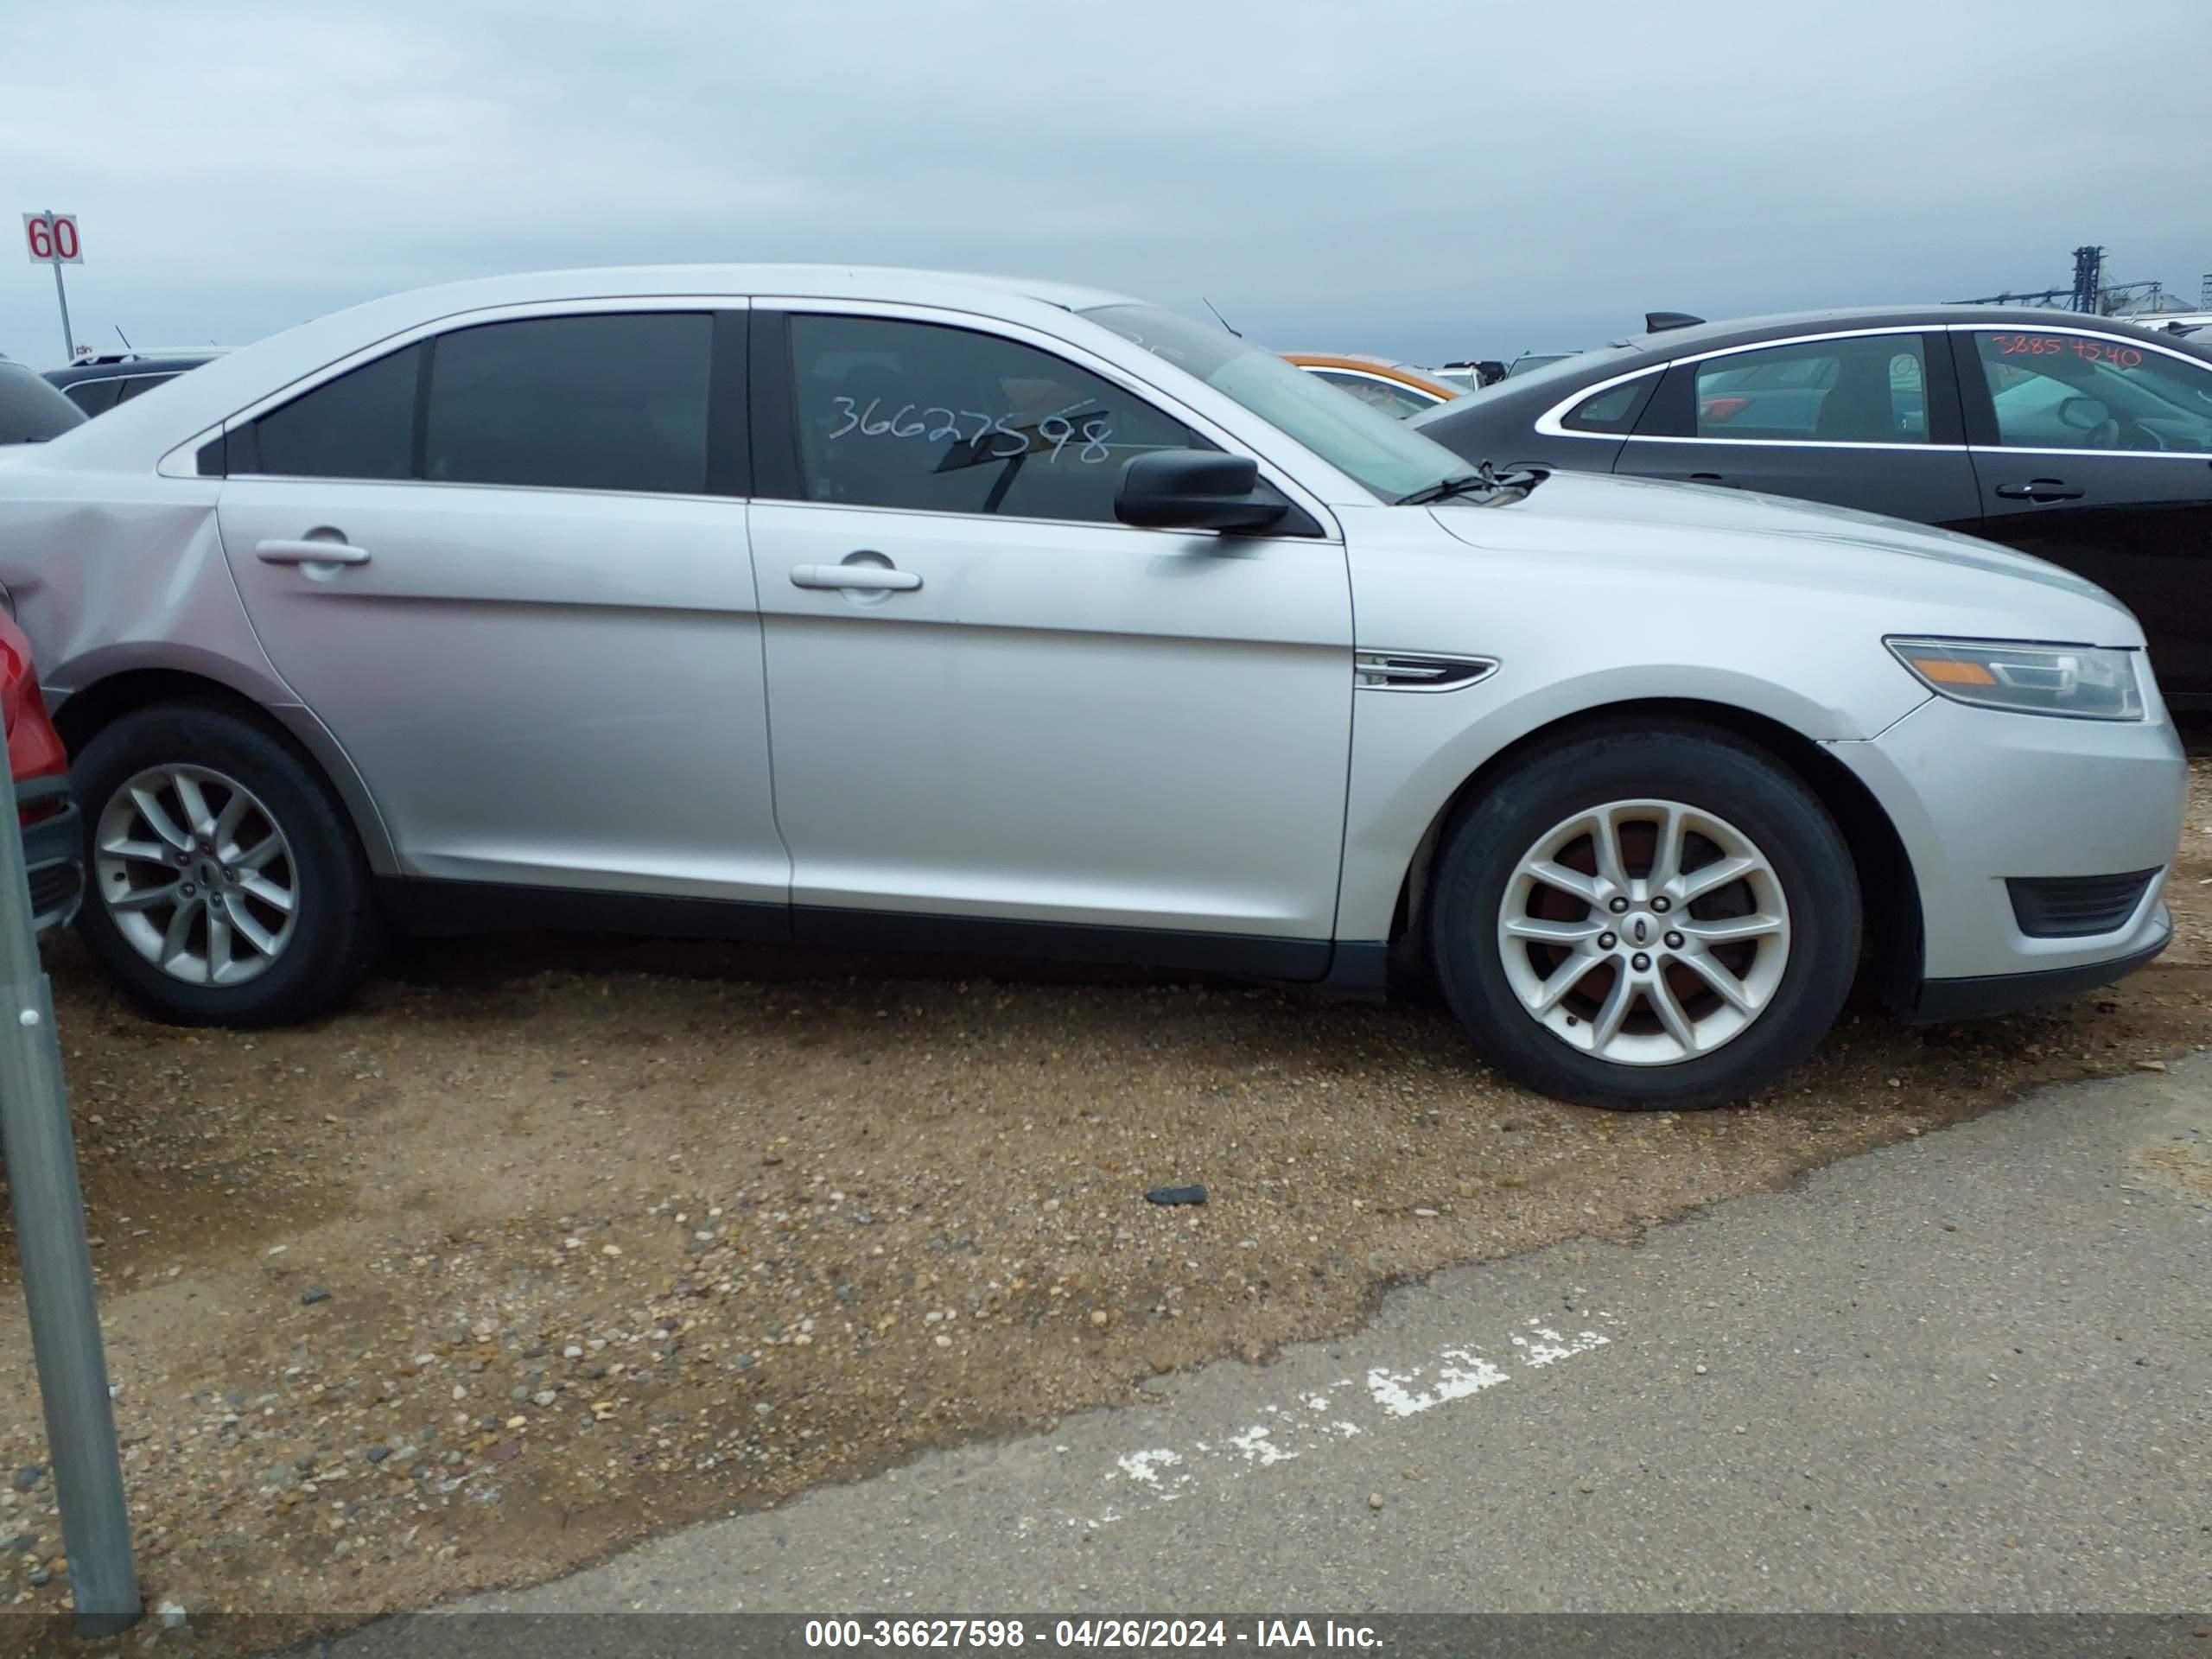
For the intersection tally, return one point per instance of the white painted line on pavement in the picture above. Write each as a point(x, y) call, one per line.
point(1325, 1417)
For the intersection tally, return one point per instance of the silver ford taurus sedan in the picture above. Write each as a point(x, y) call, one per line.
point(881, 607)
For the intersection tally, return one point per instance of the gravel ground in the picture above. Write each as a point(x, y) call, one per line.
point(547, 1244)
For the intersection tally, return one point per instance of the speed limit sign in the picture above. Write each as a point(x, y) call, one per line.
point(52, 241)
point(53, 238)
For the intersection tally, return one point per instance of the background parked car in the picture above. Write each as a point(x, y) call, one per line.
point(2085, 440)
point(98, 383)
point(32, 411)
point(53, 850)
point(1396, 389)
point(1530, 361)
point(2185, 323)
point(1468, 375)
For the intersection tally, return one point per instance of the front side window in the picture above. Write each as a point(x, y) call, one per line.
point(613, 402)
point(1868, 389)
point(2077, 391)
point(1385, 456)
point(931, 418)
point(1396, 401)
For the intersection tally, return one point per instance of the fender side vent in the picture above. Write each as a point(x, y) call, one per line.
point(1407, 671)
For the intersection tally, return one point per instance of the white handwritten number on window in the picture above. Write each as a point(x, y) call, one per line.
point(936, 423)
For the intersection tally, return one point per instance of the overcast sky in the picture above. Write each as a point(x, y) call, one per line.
point(1429, 178)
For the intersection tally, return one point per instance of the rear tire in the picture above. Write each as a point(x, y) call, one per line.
point(1640, 979)
point(224, 884)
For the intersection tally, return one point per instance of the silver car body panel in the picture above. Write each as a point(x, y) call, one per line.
point(1596, 591)
point(607, 651)
point(1976, 799)
point(925, 760)
point(1062, 723)
point(923, 756)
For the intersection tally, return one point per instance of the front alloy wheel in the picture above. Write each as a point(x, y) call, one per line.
point(1644, 932)
point(197, 875)
point(1645, 917)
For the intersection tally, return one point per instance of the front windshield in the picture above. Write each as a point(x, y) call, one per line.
point(1377, 449)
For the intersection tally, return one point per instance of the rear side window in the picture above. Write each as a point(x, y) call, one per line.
point(614, 402)
point(32, 411)
point(133, 385)
point(931, 418)
point(1868, 389)
point(361, 425)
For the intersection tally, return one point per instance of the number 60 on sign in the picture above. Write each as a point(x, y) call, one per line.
point(53, 236)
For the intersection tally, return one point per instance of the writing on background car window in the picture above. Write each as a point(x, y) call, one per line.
point(2096, 351)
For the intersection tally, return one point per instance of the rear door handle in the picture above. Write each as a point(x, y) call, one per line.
point(870, 578)
point(2041, 489)
point(280, 552)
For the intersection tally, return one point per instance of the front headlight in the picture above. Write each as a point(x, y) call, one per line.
point(2079, 681)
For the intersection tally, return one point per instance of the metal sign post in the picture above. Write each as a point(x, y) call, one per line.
point(54, 241)
point(57, 1263)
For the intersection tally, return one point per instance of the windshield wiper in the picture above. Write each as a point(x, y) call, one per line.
point(1485, 480)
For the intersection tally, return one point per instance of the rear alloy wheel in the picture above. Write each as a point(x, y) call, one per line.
point(196, 874)
point(227, 888)
point(1646, 919)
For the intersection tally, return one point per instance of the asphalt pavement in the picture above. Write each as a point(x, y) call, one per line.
point(1970, 1372)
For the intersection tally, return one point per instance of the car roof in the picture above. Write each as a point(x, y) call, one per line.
point(1388, 368)
point(219, 388)
point(1347, 360)
point(1676, 342)
point(1630, 353)
point(120, 366)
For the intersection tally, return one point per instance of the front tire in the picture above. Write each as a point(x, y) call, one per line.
point(1646, 919)
point(224, 884)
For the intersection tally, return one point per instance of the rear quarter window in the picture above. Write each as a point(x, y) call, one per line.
point(1613, 410)
point(359, 425)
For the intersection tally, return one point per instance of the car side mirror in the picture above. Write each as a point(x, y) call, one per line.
point(2084, 414)
point(1195, 489)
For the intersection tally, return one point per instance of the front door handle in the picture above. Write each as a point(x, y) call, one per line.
point(310, 552)
point(865, 578)
point(2041, 489)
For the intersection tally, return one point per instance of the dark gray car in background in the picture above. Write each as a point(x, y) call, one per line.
point(99, 383)
point(2082, 439)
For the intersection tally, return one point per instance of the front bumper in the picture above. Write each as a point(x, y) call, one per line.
point(1979, 797)
point(1942, 1001)
point(54, 853)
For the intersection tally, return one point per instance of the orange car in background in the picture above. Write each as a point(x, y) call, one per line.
point(1398, 389)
